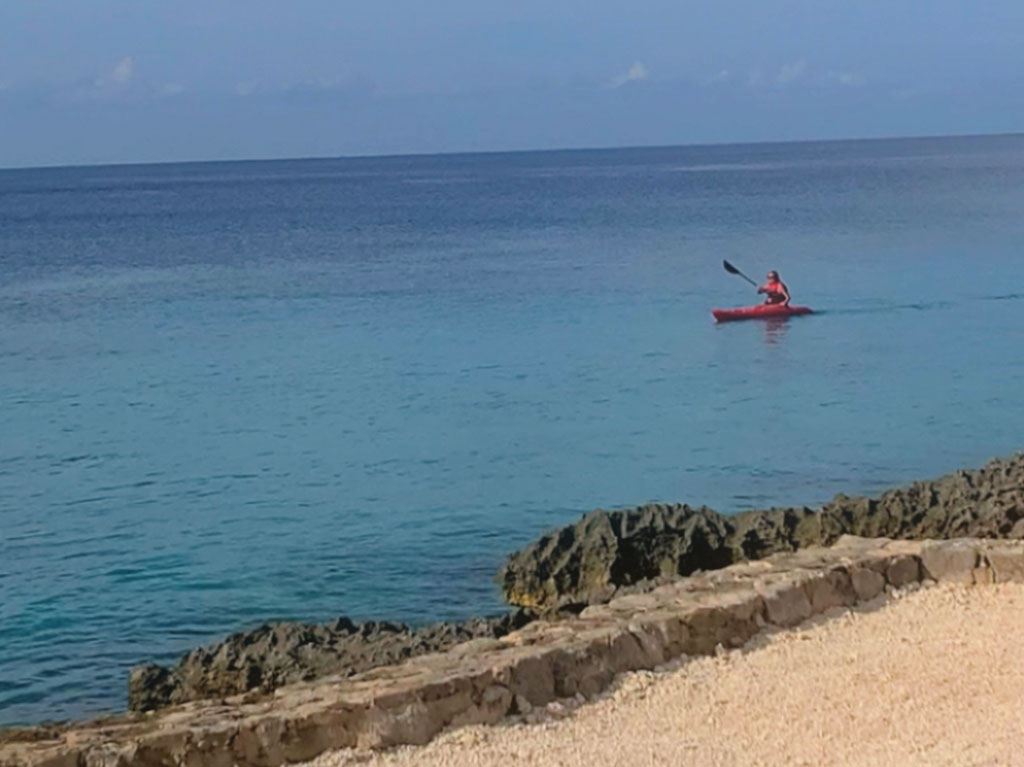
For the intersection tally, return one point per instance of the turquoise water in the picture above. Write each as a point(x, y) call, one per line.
point(242, 391)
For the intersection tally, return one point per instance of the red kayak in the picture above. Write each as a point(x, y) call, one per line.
point(759, 312)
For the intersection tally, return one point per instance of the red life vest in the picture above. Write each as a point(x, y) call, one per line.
point(774, 292)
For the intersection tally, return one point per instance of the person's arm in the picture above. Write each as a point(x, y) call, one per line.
point(785, 292)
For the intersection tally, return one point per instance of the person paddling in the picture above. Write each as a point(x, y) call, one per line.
point(775, 290)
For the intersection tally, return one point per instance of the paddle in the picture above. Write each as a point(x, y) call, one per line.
point(733, 270)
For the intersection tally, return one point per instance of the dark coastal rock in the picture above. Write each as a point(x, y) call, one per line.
point(607, 552)
point(604, 554)
point(277, 654)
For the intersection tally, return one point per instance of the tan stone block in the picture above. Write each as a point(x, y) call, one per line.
point(566, 669)
point(411, 724)
point(588, 669)
point(418, 713)
point(341, 725)
point(673, 630)
point(483, 679)
point(447, 698)
point(949, 561)
point(108, 755)
point(258, 741)
point(830, 589)
point(903, 569)
point(1006, 561)
point(161, 748)
point(532, 677)
point(628, 653)
point(304, 737)
point(786, 603)
point(867, 583)
point(728, 624)
point(494, 704)
point(211, 746)
point(652, 643)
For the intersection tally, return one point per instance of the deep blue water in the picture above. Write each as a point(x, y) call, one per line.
point(231, 392)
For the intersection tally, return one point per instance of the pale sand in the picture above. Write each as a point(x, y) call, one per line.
point(932, 678)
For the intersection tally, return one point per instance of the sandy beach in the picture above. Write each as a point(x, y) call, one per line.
point(932, 678)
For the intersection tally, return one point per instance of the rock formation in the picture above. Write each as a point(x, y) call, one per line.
point(606, 552)
point(277, 654)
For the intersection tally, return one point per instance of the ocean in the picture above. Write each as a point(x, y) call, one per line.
point(235, 392)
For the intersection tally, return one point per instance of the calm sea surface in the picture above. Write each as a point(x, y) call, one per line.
point(231, 392)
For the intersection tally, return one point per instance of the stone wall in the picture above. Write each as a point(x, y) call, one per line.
point(484, 680)
point(277, 654)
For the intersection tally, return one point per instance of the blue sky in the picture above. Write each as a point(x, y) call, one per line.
point(87, 81)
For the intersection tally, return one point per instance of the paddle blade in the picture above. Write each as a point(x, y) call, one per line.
point(733, 270)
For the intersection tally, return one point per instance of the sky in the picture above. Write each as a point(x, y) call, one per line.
point(111, 81)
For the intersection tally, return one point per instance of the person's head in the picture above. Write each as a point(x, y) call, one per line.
point(773, 276)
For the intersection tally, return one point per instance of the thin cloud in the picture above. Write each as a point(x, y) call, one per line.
point(791, 72)
point(119, 83)
point(123, 71)
point(635, 73)
point(322, 90)
point(119, 77)
point(719, 77)
point(848, 79)
point(798, 73)
point(170, 89)
point(328, 85)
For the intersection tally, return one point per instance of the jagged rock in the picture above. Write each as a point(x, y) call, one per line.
point(150, 687)
point(588, 562)
point(277, 654)
point(604, 554)
point(607, 552)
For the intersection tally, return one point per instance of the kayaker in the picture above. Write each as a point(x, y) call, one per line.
point(775, 290)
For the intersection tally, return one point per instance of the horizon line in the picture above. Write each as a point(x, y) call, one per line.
point(484, 152)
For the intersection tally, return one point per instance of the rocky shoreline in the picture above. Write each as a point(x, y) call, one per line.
point(545, 665)
point(605, 554)
point(277, 654)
